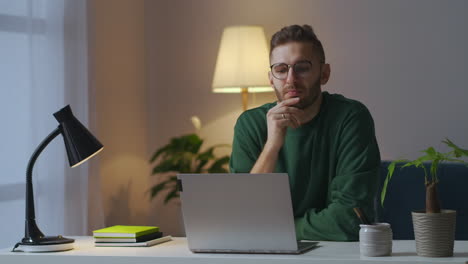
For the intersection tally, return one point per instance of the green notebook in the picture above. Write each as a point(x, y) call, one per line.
point(122, 231)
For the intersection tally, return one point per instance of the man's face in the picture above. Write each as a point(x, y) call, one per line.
point(304, 84)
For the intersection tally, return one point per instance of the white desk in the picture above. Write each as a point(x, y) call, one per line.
point(175, 252)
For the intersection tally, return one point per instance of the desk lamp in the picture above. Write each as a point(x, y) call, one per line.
point(81, 145)
point(242, 63)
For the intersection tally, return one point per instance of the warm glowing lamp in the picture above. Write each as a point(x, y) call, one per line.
point(242, 64)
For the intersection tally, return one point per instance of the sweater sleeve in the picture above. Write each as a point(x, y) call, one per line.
point(354, 184)
point(246, 146)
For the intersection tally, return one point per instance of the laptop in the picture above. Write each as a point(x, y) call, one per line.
point(239, 213)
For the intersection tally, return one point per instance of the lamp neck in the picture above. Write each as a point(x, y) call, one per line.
point(31, 229)
point(245, 98)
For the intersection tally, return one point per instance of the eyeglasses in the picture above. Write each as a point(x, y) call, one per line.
point(280, 70)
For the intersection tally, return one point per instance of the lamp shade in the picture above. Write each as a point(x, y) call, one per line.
point(79, 142)
point(242, 61)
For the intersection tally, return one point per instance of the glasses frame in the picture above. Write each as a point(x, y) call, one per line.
point(289, 67)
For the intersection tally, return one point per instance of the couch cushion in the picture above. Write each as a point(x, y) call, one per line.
point(406, 192)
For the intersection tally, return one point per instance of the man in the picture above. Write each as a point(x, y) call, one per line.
point(325, 142)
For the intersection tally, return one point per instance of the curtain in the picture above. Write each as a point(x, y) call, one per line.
point(43, 46)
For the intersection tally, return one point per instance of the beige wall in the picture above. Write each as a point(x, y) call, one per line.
point(118, 76)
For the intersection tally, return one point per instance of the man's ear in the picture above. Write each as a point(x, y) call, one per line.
point(325, 76)
point(270, 77)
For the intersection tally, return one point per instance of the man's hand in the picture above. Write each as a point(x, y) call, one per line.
point(283, 115)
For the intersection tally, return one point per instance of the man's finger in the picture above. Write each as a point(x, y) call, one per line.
point(284, 105)
point(283, 122)
point(289, 102)
point(293, 110)
point(295, 121)
point(292, 121)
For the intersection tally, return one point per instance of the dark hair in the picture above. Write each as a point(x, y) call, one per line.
point(297, 33)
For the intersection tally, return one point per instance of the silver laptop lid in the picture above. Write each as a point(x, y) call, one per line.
point(238, 212)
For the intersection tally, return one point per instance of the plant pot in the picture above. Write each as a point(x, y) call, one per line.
point(434, 233)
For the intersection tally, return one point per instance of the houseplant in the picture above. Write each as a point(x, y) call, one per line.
point(434, 228)
point(183, 154)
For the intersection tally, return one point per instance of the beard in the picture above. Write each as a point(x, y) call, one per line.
point(314, 92)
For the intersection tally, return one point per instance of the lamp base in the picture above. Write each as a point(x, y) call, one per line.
point(46, 244)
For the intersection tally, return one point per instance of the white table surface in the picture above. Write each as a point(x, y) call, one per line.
point(176, 251)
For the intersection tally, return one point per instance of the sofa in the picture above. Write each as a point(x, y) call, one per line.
point(406, 192)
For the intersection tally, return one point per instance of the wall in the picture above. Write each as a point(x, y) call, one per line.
point(405, 60)
point(118, 77)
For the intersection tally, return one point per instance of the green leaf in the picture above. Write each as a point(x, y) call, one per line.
point(203, 159)
point(217, 166)
point(171, 195)
point(186, 143)
point(206, 156)
point(166, 166)
point(159, 152)
point(158, 188)
point(185, 162)
point(170, 182)
point(426, 176)
point(201, 164)
point(434, 167)
point(431, 152)
point(459, 152)
point(189, 143)
point(390, 170)
point(455, 160)
point(182, 155)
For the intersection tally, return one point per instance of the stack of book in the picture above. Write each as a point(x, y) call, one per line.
point(129, 236)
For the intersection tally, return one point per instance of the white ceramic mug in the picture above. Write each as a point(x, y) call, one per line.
point(375, 240)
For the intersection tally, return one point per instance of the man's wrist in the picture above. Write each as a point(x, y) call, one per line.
point(266, 162)
point(272, 146)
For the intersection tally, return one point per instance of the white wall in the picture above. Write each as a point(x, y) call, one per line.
point(118, 77)
point(406, 60)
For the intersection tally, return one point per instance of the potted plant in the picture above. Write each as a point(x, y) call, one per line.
point(434, 228)
point(184, 155)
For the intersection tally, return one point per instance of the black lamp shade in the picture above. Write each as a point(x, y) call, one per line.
point(79, 142)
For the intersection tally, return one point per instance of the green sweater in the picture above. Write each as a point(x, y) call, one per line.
point(332, 162)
